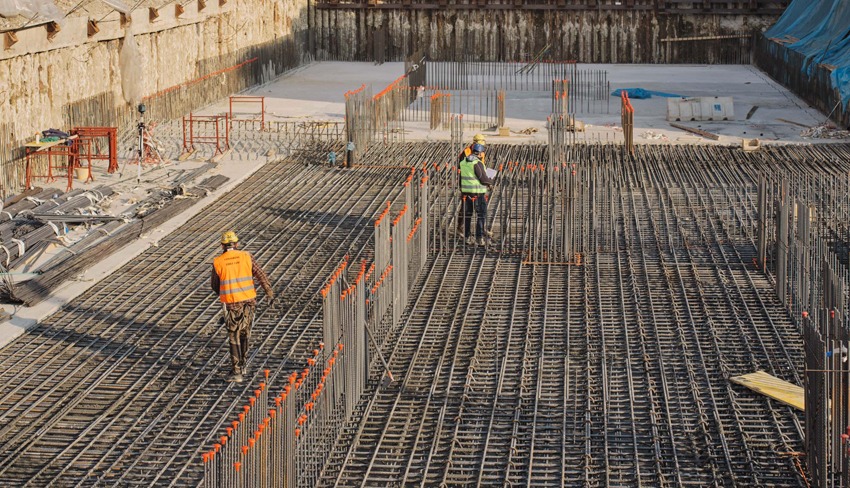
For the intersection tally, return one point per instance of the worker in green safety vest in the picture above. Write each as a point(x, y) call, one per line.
point(474, 184)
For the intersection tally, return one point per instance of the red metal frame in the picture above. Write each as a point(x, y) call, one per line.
point(68, 156)
point(237, 99)
point(92, 137)
point(197, 127)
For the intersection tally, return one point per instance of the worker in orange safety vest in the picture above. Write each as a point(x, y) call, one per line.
point(233, 276)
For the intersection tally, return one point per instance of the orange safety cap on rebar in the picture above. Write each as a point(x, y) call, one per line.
point(262, 385)
point(205, 457)
point(251, 441)
point(244, 450)
point(230, 429)
point(223, 440)
point(237, 465)
point(272, 412)
point(297, 432)
point(251, 400)
point(257, 393)
point(241, 416)
point(217, 447)
point(278, 400)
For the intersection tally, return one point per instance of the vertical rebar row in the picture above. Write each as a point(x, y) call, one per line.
point(359, 123)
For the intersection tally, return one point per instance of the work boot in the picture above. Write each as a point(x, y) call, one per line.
point(488, 233)
point(235, 377)
point(482, 242)
point(470, 241)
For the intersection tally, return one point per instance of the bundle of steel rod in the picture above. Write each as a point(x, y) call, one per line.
point(589, 89)
point(389, 106)
point(440, 110)
point(38, 289)
point(560, 96)
point(481, 108)
point(500, 109)
point(50, 219)
point(562, 136)
point(28, 203)
point(627, 117)
point(359, 123)
point(512, 76)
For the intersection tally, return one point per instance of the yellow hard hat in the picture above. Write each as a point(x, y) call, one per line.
point(229, 237)
point(478, 139)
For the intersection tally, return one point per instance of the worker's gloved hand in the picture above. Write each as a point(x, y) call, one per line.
point(221, 319)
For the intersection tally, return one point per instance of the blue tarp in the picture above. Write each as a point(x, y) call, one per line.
point(820, 31)
point(639, 93)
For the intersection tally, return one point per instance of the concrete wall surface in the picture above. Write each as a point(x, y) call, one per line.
point(76, 79)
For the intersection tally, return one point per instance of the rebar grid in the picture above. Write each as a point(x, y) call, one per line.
point(610, 371)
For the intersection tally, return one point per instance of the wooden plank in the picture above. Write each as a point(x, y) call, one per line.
point(699, 132)
point(773, 387)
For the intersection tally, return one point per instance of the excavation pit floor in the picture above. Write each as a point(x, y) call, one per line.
point(619, 377)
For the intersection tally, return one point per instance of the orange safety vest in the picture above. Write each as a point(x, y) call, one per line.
point(235, 273)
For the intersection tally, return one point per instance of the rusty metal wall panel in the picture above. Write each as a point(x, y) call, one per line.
point(591, 36)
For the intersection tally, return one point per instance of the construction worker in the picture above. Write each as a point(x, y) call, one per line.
point(467, 151)
point(233, 281)
point(474, 184)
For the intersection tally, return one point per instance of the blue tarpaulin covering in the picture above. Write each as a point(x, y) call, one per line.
point(820, 31)
point(638, 93)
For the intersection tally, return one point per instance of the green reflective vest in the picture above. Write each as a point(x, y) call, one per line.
point(468, 182)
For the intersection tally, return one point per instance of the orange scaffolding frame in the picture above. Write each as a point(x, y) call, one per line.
point(242, 99)
point(91, 139)
point(66, 154)
point(191, 136)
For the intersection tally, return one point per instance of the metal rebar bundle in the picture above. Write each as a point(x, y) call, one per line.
point(627, 117)
point(359, 123)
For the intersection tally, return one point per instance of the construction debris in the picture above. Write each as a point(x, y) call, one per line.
point(825, 131)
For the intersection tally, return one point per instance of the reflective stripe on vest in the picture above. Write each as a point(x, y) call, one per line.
point(237, 278)
point(468, 182)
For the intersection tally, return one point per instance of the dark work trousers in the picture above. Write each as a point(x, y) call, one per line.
point(238, 323)
point(478, 204)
